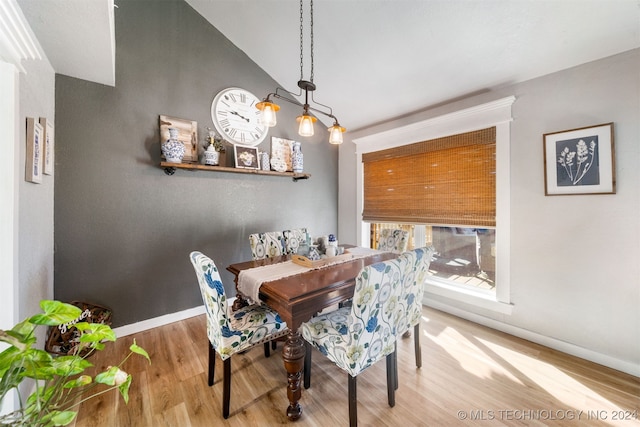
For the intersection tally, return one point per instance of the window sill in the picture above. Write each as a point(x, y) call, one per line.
point(477, 298)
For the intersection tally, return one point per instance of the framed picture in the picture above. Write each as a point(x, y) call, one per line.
point(187, 134)
point(281, 150)
point(580, 161)
point(34, 151)
point(48, 145)
point(246, 157)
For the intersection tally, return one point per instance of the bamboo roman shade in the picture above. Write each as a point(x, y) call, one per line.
point(444, 181)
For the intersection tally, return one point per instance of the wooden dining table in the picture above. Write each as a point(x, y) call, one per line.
point(297, 299)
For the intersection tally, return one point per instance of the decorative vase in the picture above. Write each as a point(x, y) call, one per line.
point(297, 158)
point(211, 156)
point(264, 161)
point(173, 149)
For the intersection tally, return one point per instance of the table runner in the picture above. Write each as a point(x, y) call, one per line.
point(250, 280)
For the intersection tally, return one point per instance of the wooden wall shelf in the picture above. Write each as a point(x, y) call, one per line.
point(170, 169)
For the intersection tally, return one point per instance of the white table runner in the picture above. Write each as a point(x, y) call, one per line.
point(250, 280)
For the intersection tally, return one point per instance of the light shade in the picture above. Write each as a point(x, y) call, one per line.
point(306, 125)
point(335, 134)
point(268, 115)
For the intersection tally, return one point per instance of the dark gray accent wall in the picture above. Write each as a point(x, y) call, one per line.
point(123, 228)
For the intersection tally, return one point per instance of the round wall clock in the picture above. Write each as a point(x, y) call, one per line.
point(236, 117)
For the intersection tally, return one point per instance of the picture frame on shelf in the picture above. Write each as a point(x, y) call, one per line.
point(580, 161)
point(48, 146)
point(33, 167)
point(246, 157)
point(281, 151)
point(187, 134)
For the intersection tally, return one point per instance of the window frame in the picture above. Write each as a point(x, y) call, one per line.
point(496, 113)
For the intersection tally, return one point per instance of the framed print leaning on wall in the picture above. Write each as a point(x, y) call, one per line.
point(33, 172)
point(47, 146)
point(580, 161)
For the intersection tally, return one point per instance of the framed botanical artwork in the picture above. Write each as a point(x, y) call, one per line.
point(580, 161)
point(246, 157)
point(33, 169)
point(281, 150)
point(48, 145)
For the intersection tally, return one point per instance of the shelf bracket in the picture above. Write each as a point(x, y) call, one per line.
point(296, 178)
point(169, 171)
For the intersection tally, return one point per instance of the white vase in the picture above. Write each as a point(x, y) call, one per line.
point(265, 165)
point(173, 149)
point(211, 156)
point(297, 158)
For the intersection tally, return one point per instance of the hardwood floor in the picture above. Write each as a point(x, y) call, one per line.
point(471, 375)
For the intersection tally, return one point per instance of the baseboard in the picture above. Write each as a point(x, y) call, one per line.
point(133, 328)
point(565, 347)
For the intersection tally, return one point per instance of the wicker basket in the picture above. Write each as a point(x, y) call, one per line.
point(63, 339)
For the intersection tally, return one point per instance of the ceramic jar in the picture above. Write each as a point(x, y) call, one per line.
point(211, 156)
point(297, 158)
point(265, 165)
point(173, 149)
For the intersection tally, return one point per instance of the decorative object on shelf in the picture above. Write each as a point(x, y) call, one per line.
point(246, 157)
point(187, 135)
point(173, 149)
point(268, 108)
point(48, 145)
point(235, 117)
point(33, 167)
point(214, 148)
point(282, 149)
point(580, 161)
point(278, 165)
point(297, 158)
point(265, 165)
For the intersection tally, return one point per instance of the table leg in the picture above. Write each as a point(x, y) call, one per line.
point(239, 302)
point(293, 356)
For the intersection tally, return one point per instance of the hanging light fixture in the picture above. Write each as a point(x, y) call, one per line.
point(305, 120)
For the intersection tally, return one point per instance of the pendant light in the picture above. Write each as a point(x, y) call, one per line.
point(305, 120)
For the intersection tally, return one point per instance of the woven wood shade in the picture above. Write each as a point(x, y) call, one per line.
point(444, 181)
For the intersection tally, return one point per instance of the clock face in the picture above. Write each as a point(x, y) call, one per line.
point(236, 117)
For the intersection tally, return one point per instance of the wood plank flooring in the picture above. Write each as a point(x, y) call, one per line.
point(471, 375)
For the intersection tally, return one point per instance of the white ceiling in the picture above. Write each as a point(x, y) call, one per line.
point(374, 59)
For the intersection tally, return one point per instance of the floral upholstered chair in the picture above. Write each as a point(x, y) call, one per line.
point(293, 238)
point(393, 240)
point(266, 245)
point(230, 333)
point(356, 337)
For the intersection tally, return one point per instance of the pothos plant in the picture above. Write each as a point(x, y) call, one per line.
point(60, 383)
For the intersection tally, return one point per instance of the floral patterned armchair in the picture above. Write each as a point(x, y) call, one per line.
point(356, 337)
point(230, 333)
point(393, 240)
point(266, 245)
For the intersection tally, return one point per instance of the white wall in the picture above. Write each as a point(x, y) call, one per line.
point(575, 276)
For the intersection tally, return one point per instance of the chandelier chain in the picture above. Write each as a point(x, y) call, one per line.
point(311, 41)
point(302, 41)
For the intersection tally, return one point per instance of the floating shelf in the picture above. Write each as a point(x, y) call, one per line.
point(170, 169)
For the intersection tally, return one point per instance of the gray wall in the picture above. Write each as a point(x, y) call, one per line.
point(575, 277)
point(124, 229)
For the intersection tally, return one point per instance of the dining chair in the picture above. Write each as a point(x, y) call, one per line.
point(393, 240)
point(231, 333)
point(356, 337)
point(293, 238)
point(266, 245)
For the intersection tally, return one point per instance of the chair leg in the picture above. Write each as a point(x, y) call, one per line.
point(395, 365)
point(416, 338)
point(267, 347)
point(274, 344)
point(307, 364)
point(392, 379)
point(353, 402)
point(226, 388)
point(212, 363)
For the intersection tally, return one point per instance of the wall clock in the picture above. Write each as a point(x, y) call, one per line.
point(236, 117)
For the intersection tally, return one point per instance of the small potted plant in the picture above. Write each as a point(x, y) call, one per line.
point(60, 382)
point(214, 146)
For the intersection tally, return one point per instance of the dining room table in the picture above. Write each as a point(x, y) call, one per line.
point(298, 292)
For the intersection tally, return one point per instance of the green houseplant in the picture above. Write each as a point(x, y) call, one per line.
point(60, 382)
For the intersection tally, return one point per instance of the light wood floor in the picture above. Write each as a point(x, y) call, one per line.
point(471, 375)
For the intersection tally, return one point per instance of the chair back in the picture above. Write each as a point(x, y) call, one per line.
point(266, 245)
point(214, 298)
point(293, 238)
point(418, 261)
point(393, 240)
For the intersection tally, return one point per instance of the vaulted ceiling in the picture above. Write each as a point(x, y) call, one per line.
point(374, 60)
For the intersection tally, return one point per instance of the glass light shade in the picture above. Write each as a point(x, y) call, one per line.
point(335, 134)
point(306, 125)
point(268, 113)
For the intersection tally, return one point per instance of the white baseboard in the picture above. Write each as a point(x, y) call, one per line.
point(565, 347)
point(133, 328)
